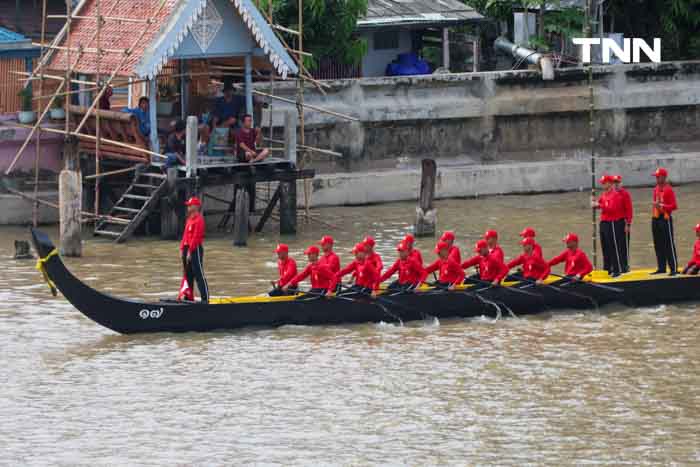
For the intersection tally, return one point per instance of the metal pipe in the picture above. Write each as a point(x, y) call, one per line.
point(523, 54)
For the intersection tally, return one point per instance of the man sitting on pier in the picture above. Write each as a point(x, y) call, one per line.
point(175, 148)
point(228, 108)
point(142, 115)
point(248, 139)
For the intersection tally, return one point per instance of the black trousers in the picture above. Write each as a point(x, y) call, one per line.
point(281, 293)
point(194, 271)
point(664, 243)
point(613, 242)
point(397, 287)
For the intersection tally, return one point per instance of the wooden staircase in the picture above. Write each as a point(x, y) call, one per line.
point(134, 206)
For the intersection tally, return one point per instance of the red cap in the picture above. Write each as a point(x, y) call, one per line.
point(327, 240)
point(282, 248)
point(490, 234)
point(369, 242)
point(697, 228)
point(661, 172)
point(480, 245)
point(528, 241)
point(441, 246)
point(571, 237)
point(606, 179)
point(357, 248)
point(616, 178)
point(402, 246)
point(409, 239)
point(528, 232)
point(448, 236)
point(193, 201)
point(313, 249)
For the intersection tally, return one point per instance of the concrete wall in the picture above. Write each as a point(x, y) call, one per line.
point(375, 61)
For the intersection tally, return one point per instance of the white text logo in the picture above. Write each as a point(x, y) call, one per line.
point(630, 52)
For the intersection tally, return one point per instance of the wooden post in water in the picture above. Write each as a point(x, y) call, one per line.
point(290, 136)
point(169, 222)
point(191, 141)
point(70, 198)
point(288, 207)
point(426, 214)
point(241, 218)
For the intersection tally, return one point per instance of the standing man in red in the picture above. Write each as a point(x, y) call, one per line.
point(287, 268)
point(449, 238)
point(576, 263)
point(322, 279)
point(693, 267)
point(451, 274)
point(612, 240)
point(192, 249)
point(372, 256)
point(662, 224)
point(628, 215)
point(491, 237)
point(329, 257)
point(409, 269)
point(534, 267)
point(529, 232)
point(490, 268)
point(410, 240)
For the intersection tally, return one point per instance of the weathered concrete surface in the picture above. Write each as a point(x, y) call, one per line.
point(496, 179)
point(502, 116)
point(15, 210)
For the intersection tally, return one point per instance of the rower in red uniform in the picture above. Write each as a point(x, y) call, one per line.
point(491, 237)
point(409, 269)
point(365, 272)
point(662, 224)
point(329, 257)
point(192, 248)
point(490, 268)
point(322, 278)
point(693, 266)
point(410, 240)
point(371, 255)
point(576, 263)
point(529, 232)
point(287, 269)
point(627, 215)
point(612, 234)
point(449, 238)
point(451, 273)
point(534, 267)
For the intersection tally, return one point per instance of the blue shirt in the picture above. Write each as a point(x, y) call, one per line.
point(143, 118)
point(225, 110)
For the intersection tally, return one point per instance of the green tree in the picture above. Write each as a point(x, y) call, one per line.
point(329, 27)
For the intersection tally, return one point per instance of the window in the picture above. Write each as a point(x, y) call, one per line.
point(386, 40)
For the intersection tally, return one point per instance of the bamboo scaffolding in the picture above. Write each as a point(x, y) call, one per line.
point(312, 107)
point(35, 206)
point(89, 50)
point(111, 172)
point(106, 18)
point(308, 148)
point(282, 28)
point(98, 130)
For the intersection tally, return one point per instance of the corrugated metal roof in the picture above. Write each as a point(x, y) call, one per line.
point(407, 12)
point(7, 36)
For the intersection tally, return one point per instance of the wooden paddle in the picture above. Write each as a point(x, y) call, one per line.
point(592, 284)
point(562, 291)
point(491, 284)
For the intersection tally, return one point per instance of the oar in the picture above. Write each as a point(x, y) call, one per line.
point(474, 294)
point(562, 291)
point(592, 284)
point(490, 284)
point(375, 300)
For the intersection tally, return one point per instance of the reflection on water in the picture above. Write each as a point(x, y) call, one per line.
point(615, 386)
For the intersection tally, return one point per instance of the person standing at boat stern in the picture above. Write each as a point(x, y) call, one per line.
point(693, 267)
point(627, 216)
point(664, 205)
point(192, 248)
point(612, 238)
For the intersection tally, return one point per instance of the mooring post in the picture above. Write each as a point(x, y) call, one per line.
point(241, 217)
point(192, 141)
point(426, 214)
point(169, 222)
point(290, 136)
point(70, 200)
point(288, 207)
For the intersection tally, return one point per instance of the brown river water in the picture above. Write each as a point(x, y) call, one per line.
point(616, 387)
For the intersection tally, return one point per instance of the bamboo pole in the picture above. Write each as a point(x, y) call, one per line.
point(106, 18)
point(35, 207)
point(300, 105)
point(107, 174)
point(69, 69)
point(98, 130)
point(312, 107)
point(308, 148)
point(81, 49)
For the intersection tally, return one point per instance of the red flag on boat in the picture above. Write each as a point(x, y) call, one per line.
point(186, 292)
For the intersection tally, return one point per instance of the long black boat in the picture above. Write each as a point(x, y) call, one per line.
point(637, 288)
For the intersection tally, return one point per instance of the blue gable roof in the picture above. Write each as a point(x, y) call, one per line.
point(232, 28)
point(10, 36)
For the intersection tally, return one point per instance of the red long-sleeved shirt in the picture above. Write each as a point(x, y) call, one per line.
point(627, 206)
point(534, 267)
point(610, 204)
point(450, 271)
point(288, 270)
point(376, 261)
point(497, 252)
point(366, 275)
point(696, 255)
point(455, 254)
point(490, 268)
point(665, 195)
point(321, 276)
point(331, 260)
point(410, 271)
point(577, 263)
point(417, 255)
point(194, 232)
